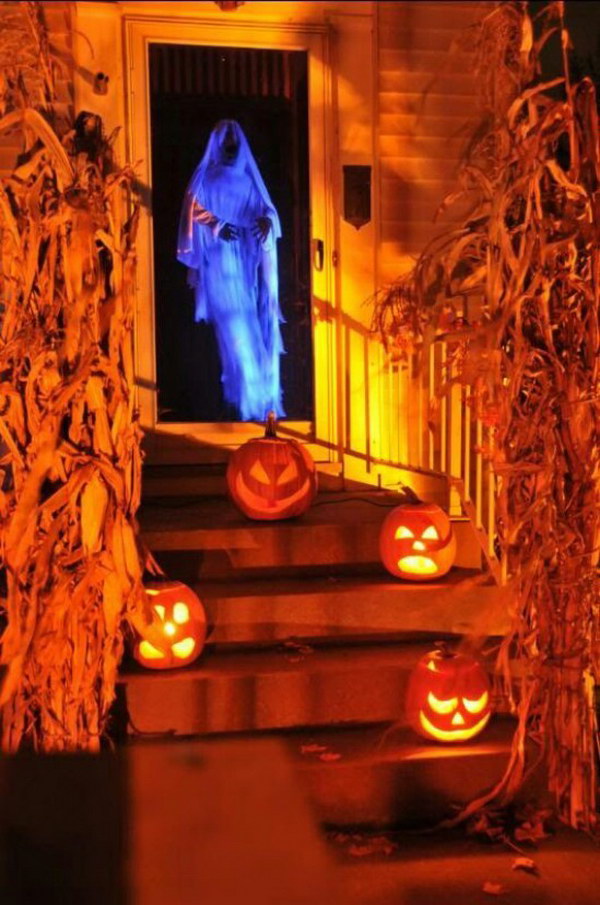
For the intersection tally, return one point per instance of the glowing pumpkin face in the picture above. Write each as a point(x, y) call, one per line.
point(417, 542)
point(271, 478)
point(177, 634)
point(448, 697)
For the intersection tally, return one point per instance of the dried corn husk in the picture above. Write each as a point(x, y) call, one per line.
point(68, 424)
point(527, 261)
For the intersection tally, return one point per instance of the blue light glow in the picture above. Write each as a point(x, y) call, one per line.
point(228, 239)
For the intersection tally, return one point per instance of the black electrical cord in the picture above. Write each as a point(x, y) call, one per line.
point(169, 503)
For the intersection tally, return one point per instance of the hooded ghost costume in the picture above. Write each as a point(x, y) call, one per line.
point(228, 239)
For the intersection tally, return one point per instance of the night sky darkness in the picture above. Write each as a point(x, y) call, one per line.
point(583, 21)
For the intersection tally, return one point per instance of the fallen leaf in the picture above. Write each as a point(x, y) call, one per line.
point(291, 645)
point(312, 748)
point(486, 824)
point(493, 889)
point(377, 845)
point(295, 651)
point(532, 825)
point(526, 864)
point(530, 832)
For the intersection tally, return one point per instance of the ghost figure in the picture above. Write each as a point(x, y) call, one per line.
point(228, 239)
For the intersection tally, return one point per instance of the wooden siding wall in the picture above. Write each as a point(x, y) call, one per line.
point(427, 104)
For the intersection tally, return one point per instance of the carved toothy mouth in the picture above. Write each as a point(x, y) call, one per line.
point(421, 565)
point(180, 649)
point(451, 735)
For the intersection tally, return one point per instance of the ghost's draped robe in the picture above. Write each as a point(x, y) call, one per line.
point(236, 286)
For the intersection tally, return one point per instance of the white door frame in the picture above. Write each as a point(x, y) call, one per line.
point(140, 31)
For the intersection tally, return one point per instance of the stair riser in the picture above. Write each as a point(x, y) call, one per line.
point(194, 706)
point(354, 614)
point(285, 548)
point(267, 702)
point(399, 794)
point(214, 484)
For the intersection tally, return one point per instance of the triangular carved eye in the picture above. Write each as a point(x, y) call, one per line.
point(430, 533)
point(259, 474)
point(402, 533)
point(160, 611)
point(288, 474)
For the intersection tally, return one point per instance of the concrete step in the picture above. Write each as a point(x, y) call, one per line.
point(378, 777)
point(184, 480)
point(180, 446)
point(262, 612)
point(296, 685)
point(208, 480)
point(339, 533)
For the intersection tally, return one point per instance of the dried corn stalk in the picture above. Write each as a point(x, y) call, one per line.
point(68, 426)
point(527, 261)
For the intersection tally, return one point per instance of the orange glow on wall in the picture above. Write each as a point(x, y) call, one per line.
point(177, 633)
point(448, 698)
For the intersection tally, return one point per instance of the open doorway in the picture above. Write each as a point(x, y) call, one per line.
point(192, 88)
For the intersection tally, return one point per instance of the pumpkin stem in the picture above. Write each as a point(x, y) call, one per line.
point(271, 425)
point(443, 649)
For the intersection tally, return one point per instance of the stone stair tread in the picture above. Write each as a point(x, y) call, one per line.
point(455, 580)
point(382, 743)
point(210, 516)
point(220, 664)
point(267, 611)
point(259, 611)
point(213, 514)
point(340, 532)
point(369, 743)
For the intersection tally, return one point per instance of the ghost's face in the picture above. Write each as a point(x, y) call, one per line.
point(230, 145)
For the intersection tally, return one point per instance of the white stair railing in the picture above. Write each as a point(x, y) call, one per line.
point(401, 414)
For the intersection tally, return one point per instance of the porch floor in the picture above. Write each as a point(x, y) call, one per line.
point(452, 870)
point(227, 822)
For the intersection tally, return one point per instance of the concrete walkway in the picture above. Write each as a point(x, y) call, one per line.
point(228, 823)
point(452, 870)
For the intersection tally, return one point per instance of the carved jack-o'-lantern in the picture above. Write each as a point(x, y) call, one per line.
point(272, 478)
point(417, 542)
point(448, 697)
point(177, 633)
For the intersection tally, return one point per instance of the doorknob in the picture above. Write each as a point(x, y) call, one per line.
point(318, 253)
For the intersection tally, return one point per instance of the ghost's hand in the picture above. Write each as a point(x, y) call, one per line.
point(201, 215)
point(229, 232)
point(261, 228)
